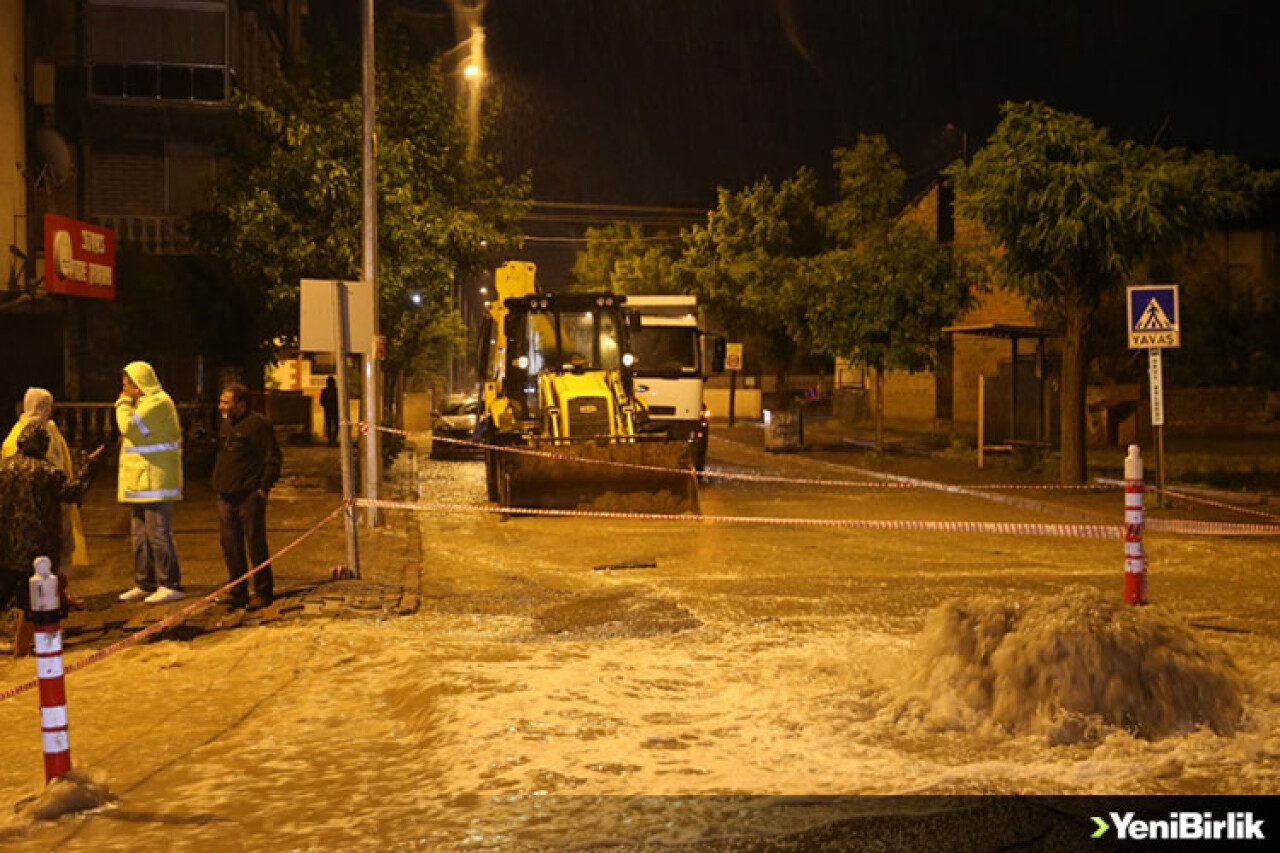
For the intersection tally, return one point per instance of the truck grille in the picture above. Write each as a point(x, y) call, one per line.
point(588, 416)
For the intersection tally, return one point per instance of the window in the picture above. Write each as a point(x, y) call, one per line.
point(166, 50)
point(665, 350)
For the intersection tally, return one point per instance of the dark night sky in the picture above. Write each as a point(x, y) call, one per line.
point(660, 101)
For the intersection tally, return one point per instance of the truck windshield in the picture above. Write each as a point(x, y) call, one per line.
point(665, 350)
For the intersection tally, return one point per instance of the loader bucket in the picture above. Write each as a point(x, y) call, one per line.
point(641, 476)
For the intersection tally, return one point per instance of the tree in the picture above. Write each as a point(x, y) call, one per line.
point(621, 257)
point(882, 294)
point(749, 264)
point(1075, 211)
point(288, 204)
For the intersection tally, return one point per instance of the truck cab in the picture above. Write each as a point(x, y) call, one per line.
point(670, 368)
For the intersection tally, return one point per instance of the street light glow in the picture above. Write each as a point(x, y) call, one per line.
point(473, 71)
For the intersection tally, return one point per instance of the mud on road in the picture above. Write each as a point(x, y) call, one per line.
point(622, 683)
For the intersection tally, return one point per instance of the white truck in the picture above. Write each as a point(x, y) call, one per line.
point(671, 366)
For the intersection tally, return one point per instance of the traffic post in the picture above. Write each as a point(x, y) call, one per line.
point(46, 614)
point(1135, 558)
point(1154, 325)
point(733, 364)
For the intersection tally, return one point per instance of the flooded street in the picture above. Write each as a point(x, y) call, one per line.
point(566, 681)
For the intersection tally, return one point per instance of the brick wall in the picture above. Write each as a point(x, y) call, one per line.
point(909, 397)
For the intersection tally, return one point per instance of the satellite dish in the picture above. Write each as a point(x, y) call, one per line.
point(56, 164)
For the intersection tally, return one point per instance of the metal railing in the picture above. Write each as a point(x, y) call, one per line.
point(86, 425)
point(154, 235)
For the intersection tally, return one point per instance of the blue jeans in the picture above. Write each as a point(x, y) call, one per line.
point(155, 557)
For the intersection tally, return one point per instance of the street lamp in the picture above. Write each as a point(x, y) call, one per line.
point(468, 30)
point(474, 72)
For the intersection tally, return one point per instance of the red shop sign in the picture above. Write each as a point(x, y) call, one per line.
point(79, 258)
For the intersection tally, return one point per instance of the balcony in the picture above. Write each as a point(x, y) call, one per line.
point(153, 235)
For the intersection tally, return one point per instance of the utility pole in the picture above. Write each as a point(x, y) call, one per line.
point(369, 271)
point(342, 347)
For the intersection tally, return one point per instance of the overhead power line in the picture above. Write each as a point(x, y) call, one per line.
point(575, 240)
point(621, 208)
point(577, 218)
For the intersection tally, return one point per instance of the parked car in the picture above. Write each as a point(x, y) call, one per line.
point(455, 418)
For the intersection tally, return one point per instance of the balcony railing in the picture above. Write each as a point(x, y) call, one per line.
point(154, 235)
point(86, 425)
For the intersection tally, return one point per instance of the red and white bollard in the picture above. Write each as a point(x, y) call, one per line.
point(1135, 558)
point(46, 619)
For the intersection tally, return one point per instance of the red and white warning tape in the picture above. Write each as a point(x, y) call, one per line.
point(724, 475)
point(1210, 502)
point(1211, 528)
point(176, 617)
point(890, 481)
point(893, 481)
point(1078, 531)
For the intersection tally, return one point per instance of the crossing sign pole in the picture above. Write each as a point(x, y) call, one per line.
point(1155, 370)
point(1154, 325)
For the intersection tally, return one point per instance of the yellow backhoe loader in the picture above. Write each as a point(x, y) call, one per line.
point(560, 407)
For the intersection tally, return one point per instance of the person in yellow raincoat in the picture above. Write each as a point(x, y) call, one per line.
point(37, 408)
point(149, 481)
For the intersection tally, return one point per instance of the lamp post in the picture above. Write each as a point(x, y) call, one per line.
point(468, 17)
point(369, 265)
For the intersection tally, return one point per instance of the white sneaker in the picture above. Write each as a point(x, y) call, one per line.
point(133, 594)
point(163, 594)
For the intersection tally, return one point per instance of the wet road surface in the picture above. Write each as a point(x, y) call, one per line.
point(587, 683)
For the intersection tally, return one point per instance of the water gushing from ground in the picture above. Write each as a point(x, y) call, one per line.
point(1070, 667)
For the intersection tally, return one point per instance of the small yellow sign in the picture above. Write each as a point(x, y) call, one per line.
point(733, 356)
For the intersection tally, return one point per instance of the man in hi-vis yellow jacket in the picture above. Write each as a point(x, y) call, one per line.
point(150, 480)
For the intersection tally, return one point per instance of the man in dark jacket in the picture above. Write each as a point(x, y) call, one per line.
point(32, 492)
point(329, 402)
point(247, 466)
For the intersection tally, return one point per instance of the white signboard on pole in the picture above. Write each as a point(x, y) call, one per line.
point(1157, 386)
point(317, 329)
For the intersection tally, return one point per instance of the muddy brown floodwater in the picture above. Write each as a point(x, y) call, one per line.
point(564, 676)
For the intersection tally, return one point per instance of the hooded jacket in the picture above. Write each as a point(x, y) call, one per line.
point(37, 408)
point(150, 441)
point(31, 494)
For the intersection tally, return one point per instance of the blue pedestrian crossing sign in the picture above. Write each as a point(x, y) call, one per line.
point(1153, 316)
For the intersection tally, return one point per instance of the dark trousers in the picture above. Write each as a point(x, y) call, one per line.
point(331, 426)
point(15, 588)
point(243, 517)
